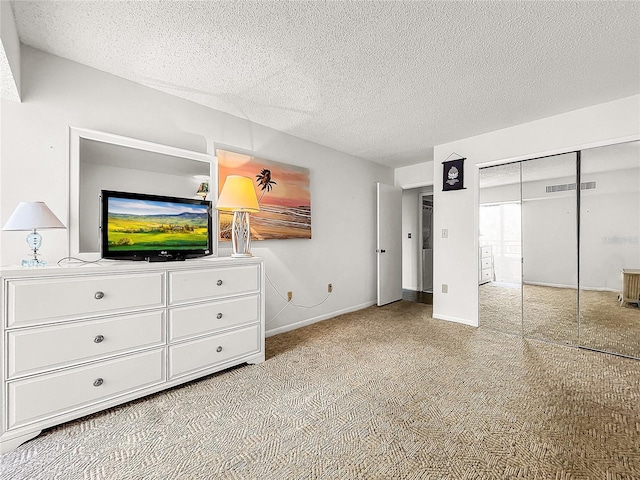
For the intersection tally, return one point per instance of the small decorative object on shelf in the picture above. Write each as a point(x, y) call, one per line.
point(30, 216)
point(203, 190)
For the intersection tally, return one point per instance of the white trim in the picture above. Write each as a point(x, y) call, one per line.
point(559, 151)
point(463, 321)
point(573, 287)
point(553, 285)
point(73, 179)
point(416, 185)
point(138, 144)
point(310, 321)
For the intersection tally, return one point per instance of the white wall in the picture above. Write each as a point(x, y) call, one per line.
point(609, 222)
point(414, 176)
point(58, 93)
point(9, 53)
point(610, 227)
point(456, 259)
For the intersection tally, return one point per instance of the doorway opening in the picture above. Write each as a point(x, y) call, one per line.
point(417, 244)
point(426, 240)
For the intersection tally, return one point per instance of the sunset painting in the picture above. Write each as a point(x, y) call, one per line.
point(283, 195)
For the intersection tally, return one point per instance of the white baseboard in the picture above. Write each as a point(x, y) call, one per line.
point(464, 321)
point(554, 285)
point(310, 321)
point(573, 287)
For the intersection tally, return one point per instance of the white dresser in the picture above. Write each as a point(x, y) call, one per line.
point(76, 340)
point(485, 266)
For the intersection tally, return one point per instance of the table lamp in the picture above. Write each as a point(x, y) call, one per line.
point(238, 195)
point(30, 216)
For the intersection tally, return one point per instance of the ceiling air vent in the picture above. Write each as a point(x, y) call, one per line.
point(570, 186)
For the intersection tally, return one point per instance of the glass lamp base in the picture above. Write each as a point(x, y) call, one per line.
point(241, 255)
point(33, 263)
point(34, 239)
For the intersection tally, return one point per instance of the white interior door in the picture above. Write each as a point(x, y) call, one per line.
point(389, 243)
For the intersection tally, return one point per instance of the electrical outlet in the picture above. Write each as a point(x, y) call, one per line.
point(445, 233)
point(330, 288)
point(289, 296)
point(445, 288)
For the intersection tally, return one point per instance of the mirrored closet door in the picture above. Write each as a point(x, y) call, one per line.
point(500, 254)
point(549, 249)
point(610, 249)
point(572, 273)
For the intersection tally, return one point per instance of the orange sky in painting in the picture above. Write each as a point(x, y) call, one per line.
point(292, 189)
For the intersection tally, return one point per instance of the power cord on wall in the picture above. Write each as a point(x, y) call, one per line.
point(290, 302)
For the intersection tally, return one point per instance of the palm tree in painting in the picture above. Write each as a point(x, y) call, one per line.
point(265, 182)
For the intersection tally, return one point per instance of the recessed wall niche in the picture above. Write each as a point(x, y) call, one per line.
point(103, 161)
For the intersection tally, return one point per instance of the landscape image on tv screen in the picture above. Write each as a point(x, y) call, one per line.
point(135, 224)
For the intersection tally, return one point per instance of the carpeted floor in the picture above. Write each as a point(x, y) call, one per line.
point(550, 313)
point(383, 393)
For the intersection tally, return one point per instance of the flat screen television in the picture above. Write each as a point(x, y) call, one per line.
point(136, 226)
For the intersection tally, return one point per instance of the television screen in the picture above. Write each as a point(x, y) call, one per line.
point(151, 227)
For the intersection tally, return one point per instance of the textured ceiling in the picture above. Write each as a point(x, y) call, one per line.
point(385, 81)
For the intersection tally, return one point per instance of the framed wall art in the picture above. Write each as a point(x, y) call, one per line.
point(283, 196)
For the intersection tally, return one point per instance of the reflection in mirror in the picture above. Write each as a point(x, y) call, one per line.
point(550, 249)
point(610, 249)
point(499, 256)
point(102, 161)
point(427, 243)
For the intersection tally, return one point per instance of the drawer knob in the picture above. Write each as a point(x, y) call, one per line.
point(219, 349)
point(98, 295)
point(219, 282)
point(98, 339)
point(219, 316)
point(97, 382)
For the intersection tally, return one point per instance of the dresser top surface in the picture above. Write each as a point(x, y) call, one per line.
point(122, 266)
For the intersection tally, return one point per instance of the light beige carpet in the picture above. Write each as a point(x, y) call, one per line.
point(383, 393)
point(550, 313)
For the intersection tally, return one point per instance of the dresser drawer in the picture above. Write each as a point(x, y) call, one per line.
point(205, 318)
point(197, 355)
point(44, 348)
point(58, 393)
point(186, 286)
point(485, 263)
point(485, 274)
point(48, 300)
point(485, 252)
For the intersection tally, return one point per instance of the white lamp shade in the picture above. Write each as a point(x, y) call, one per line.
point(238, 195)
point(32, 215)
